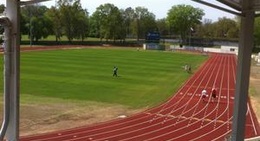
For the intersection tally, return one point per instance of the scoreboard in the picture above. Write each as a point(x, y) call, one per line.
point(152, 37)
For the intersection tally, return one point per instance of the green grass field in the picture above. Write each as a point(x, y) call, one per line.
point(146, 78)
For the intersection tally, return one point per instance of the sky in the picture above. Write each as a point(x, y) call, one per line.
point(158, 7)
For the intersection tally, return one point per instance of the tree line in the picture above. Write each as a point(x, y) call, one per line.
point(108, 22)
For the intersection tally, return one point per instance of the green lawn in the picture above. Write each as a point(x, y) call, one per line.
point(49, 38)
point(146, 78)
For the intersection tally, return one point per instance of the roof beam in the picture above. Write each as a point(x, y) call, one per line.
point(31, 2)
point(218, 7)
point(233, 5)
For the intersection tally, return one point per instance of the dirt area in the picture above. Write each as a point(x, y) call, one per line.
point(36, 118)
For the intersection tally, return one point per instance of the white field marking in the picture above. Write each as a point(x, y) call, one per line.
point(201, 87)
point(211, 95)
point(178, 92)
point(204, 77)
point(218, 109)
point(221, 85)
point(91, 130)
point(228, 94)
point(194, 118)
point(205, 107)
point(186, 133)
point(251, 118)
point(183, 95)
point(230, 118)
point(193, 82)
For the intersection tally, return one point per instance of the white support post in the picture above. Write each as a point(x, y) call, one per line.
point(13, 14)
point(4, 21)
point(243, 70)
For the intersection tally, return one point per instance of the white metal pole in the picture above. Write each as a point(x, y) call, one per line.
point(243, 70)
point(7, 75)
point(13, 13)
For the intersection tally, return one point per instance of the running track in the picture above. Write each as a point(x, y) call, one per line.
point(183, 117)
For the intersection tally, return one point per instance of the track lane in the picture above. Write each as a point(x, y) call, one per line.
point(184, 134)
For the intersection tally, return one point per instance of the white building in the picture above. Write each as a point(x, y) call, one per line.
point(223, 49)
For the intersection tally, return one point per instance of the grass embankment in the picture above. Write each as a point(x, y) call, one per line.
point(146, 78)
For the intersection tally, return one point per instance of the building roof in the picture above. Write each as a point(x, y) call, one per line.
point(26, 2)
point(235, 5)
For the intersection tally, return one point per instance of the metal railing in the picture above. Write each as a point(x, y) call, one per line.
point(5, 22)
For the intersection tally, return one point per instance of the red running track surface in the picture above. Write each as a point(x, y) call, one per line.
point(185, 116)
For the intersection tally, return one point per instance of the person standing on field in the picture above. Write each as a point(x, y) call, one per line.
point(189, 69)
point(115, 71)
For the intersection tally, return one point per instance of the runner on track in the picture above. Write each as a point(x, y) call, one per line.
point(214, 93)
point(204, 94)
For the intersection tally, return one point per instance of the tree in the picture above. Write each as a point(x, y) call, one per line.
point(74, 18)
point(109, 22)
point(80, 21)
point(181, 18)
point(226, 28)
point(257, 31)
point(205, 29)
point(54, 15)
point(162, 26)
point(38, 26)
point(144, 22)
point(83, 25)
point(2, 8)
point(128, 16)
point(94, 25)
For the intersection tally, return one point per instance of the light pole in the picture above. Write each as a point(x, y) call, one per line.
point(191, 29)
point(31, 34)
